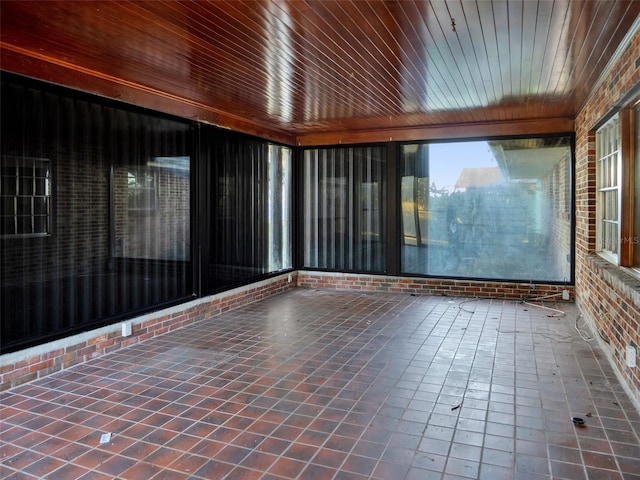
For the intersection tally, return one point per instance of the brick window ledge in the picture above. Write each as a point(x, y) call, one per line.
point(619, 278)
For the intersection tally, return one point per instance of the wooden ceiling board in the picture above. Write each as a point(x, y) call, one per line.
point(216, 72)
point(620, 19)
point(435, 93)
point(551, 42)
point(355, 57)
point(446, 33)
point(324, 69)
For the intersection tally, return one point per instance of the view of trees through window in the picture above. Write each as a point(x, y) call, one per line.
point(487, 209)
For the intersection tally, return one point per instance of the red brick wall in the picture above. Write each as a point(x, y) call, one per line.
point(427, 286)
point(22, 367)
point(557, 190)
point(608, 297)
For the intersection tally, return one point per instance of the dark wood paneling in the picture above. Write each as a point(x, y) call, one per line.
point(434, 132)
point(308, 70)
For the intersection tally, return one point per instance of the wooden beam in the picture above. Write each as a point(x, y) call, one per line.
point(441, 132)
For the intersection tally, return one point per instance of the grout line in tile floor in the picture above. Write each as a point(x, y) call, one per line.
point(335, 385)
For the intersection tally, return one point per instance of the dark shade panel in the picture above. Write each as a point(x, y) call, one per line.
point(343, 212)
point(111, 235)
point(250, 186)
point(325, 72)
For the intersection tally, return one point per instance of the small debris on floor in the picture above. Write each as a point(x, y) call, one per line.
point(456, 407)
point(105, 438)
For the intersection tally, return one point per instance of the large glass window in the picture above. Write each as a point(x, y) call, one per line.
point(494, 209)
point(343, 208)
point(96, 213)
point(250, 216)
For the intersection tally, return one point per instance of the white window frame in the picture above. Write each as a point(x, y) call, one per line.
point(608, 189)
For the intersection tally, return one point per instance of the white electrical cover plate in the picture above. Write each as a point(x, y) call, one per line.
point(631, 356)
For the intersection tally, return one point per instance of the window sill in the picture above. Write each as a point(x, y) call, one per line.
point(633, 271)
point(624, 280)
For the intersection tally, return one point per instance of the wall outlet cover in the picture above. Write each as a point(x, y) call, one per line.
point(631, 356)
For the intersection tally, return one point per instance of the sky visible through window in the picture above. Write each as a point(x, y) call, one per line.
point(448, 160)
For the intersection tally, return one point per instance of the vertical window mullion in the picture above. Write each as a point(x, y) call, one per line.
point(626, 186)
point(349, 240)
point(365, 209)
point(634, 240)
point(609, 157)
point(330, 213)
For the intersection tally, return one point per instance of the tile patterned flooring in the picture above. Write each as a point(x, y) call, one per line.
point(335, 385)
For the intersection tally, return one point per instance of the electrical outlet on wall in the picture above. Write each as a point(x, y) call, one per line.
point(631, 356)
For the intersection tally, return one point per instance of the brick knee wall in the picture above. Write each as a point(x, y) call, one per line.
point(428, 286)
point(608, 296)
point(24, 366)
point(609, 300)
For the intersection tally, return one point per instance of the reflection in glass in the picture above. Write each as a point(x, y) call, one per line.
point(25, 196)
point(251, 186)
point(493, 209)
point(117, 216)
point(279, 209)
point(343, 221)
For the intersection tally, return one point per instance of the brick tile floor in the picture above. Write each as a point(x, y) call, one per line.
point(343, 385)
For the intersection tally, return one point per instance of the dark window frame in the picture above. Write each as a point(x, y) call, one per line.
point(570, 207)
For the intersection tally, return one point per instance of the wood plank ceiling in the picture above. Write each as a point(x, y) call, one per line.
point(317, 72)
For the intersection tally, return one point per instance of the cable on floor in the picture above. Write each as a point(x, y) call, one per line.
point(553, 334)
point(587, 337)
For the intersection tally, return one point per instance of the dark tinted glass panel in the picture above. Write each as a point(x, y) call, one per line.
point(8, 225)
point(40, 224)
point(24, 205)
point(488, 209)
point(9, 180)
point(343, 213)
point(25, 224)
point(100, 261)
point(25, 186)
point(7, 205)
point(249, 204)
point(40, 206)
